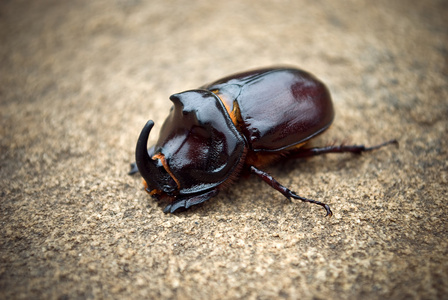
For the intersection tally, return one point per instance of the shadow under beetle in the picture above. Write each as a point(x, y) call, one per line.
point(241, 122)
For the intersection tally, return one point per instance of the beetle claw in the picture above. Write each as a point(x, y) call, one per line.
point(326, 206)
point(394, 141)
point(329, 212)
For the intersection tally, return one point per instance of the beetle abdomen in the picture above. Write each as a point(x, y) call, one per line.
point(279, 108)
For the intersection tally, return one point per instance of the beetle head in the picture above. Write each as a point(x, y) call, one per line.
point(197, 150)
point(152, 170)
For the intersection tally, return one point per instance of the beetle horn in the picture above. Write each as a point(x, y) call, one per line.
point(146, 165)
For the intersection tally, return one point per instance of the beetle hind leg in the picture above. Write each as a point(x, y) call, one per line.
point(356, 149)
point(285, 191)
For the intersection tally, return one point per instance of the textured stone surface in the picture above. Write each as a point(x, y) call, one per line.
point(78, 81)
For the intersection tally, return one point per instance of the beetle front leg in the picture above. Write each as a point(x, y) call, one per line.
point(357, 149)
point(134, 169)
point(285, 191)
point(187, 201)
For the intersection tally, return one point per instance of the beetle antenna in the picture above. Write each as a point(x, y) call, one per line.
point(146, 164)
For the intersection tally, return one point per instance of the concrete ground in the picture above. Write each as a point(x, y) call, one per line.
point(78, 81)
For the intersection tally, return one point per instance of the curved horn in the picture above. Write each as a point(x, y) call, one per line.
point(146, 165)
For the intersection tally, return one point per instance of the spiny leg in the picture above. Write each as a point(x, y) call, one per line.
point(284, 190)
point(357, 149)
point(187, 201)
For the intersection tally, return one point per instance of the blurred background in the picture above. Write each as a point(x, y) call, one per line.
point(78, 81)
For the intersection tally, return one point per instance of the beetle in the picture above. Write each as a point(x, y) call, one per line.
point(239, 123)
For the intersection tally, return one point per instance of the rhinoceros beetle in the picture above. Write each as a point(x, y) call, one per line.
point(239, 123)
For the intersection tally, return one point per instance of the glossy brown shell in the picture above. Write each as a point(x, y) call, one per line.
point(201, 145)
point(279, 107)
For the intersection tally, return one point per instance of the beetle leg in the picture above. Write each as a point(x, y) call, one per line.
point(134, 169)
point(357, 149)
point(285, 191)
point(186, 202)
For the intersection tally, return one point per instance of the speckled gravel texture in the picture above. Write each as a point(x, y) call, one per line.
point(78, 81)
